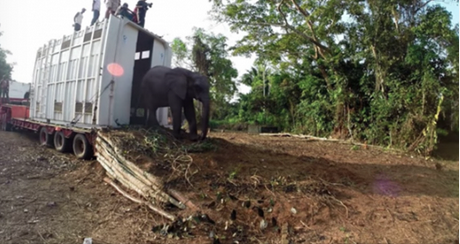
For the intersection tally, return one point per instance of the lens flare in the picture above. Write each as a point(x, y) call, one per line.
point(115, 69)
point(384, 186)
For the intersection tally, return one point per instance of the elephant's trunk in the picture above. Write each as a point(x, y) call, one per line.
point(205, 118)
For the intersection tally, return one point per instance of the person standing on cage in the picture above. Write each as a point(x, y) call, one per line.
point(141, 9)
point(77, 19)
point(96, 11)
point(112, 6)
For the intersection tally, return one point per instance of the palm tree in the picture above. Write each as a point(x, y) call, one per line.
point(256, 74)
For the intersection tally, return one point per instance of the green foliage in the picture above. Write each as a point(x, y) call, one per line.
point(179, 48)
point(384, 72)
point(5, 67)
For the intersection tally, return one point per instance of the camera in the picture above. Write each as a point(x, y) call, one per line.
point(149, 4)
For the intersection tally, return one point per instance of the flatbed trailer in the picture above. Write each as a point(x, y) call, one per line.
point(87, 82)
point(14, 115)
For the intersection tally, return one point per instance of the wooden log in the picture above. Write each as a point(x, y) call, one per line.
point(133, 177)
point(363, 145)
point(182, 199)
point(155, 183)
point(157, 193)
point(157, 210)
point(127, 183)
point(150, 177)
point(145, 190)
point(108, 153)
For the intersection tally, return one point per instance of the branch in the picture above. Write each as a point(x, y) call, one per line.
point(139, 201)
point(301, 10)
point(423, 5)
point(313, 39)
point(290, 27)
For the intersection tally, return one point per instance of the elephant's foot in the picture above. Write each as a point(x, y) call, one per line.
point(177, 135)
point(194, 137)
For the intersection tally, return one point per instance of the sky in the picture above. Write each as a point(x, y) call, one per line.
point(29, 24)
point(23, 36)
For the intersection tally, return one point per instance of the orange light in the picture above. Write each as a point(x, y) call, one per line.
point(115, 69)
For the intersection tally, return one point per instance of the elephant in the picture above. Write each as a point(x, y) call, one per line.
point(176, 88)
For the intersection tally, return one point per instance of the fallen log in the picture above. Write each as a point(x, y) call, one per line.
point(182, 199)
point(121, 179)
point(122, 172)
point(125, 173)
point(300, 136)
point(157, 210)
point(135, 184)
point(131, 165)
point(314, 138)
point(121, 169)
point(134, 175)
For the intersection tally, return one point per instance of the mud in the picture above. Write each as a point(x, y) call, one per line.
point(298, 190)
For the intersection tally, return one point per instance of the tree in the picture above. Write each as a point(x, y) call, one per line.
point(179, 48)
point(377, 71)
point(5, 68)
point(209, 56)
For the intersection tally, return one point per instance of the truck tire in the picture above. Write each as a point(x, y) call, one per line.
point(6, 126)
point(44, 138)
point(81, 147)
point(62, 144)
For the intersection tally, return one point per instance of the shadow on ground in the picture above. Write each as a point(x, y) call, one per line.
point(402, 176)
point(448, 148)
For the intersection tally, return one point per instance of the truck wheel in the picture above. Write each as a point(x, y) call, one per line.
point(81, 147)
point(61, 143)
point(45, 138)
point(6, 126)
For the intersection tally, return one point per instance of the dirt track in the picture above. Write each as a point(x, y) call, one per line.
point(358, 196)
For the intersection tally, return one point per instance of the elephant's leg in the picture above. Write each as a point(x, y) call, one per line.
point(152, 118)
point(189, 111)
point(175, 103)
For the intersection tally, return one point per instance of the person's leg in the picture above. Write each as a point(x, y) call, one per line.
point(77, 27)
point(141, 19)
point(95, 17)
point(109, 8)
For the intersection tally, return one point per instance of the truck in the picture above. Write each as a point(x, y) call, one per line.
point(86, 82)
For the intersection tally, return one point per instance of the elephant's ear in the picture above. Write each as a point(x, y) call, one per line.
point(177, 81)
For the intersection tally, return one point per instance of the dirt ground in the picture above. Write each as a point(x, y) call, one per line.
point(257, 189)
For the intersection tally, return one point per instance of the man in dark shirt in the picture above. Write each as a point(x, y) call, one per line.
point(124, 11)
point(142, 8)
